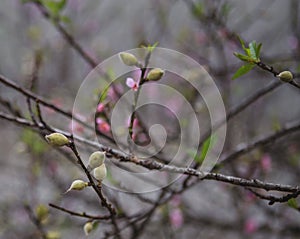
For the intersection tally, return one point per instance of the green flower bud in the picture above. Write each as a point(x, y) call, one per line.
point(53, 235)
point(155, 74)
point(57, 139)
point(95, 160)
point(128, 59)
point(285, 76)
point(77, 185)
point(87, 228)
point(100, 172)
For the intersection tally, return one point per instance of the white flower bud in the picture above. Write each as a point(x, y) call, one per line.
point(95, 160)
point(88, 227)
point(100, 172)
point(285, 76)
point(57, 139)
point(77, 185)
point(128, 59)
point(155, 74)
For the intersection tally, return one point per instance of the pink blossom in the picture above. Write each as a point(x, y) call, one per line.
point(102, 125)
point(250, 226)
point(176, 218)
point(266, 163)
point(133, 137)
point(76, 127)
point(250, 197)
point(176, 201)
point(132, 84)
point(135, 122)
point(100, 107)
point(223, 33)
point(56, 102)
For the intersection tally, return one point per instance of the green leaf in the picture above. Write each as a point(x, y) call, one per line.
point(55, 7)
point(243, 70)
point(198, 9)
point(257, 50)
point(152, 47)
point(242, 43)
point(252, 47)
point(206, 145)
point(293, 203)
point(243, 57)
point(104, 94)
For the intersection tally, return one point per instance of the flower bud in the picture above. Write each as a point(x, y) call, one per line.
point(95, 160)
point(53, 235)
point(77, 185)
point(100, 172)
point(128, 59)
point(155, 74)
point(285, 76)
point(57, 139)
point(88, 227)
point(41, 212)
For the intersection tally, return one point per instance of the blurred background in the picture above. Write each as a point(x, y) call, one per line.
point(33, 175)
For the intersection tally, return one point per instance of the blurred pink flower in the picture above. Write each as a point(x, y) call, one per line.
point(102, 125)
point(223, 33)
point(135, 123)
point(132, 84)
point(56, 102)
point(76, 127)
point(100, 107)
point(250, 197)
point(250, 226)
point(266, 163)
point(176, 201)
point(176, 218)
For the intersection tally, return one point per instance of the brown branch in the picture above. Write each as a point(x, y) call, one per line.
point(69, 38)
point(83, 214)
point(152, 165)
point(273, 199)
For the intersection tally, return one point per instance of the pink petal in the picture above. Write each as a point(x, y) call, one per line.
point(176, 218)
point(250, 226)
point(130, 82)
point(100, 107)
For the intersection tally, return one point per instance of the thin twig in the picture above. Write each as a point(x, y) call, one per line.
point(82, 214)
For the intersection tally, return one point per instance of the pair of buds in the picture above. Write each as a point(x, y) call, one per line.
point(96, 163)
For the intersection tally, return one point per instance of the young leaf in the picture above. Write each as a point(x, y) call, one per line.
point(252, 47)
point(152, 47)
point(55, 7)
point(243, 70)
point(257, 51)
point(197, 9)
point(243, 57)
point(104, 94)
